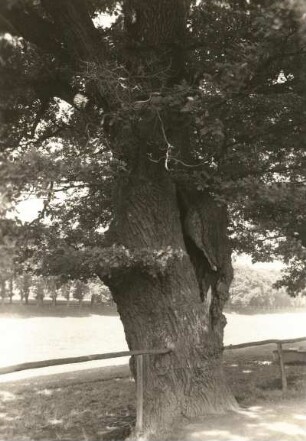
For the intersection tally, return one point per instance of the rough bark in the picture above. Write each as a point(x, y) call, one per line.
point(80, 37)
point(173, 309)
point(180, 307)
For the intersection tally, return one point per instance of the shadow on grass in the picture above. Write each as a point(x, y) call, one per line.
point(99, 410)
point(48, 310)
point(99, 405)
point(293, 382)
point(283, 421)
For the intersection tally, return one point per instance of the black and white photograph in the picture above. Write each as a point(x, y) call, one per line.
point(153, 220)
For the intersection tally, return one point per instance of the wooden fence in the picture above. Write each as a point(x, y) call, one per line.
point(140, 366)
point(279, 344)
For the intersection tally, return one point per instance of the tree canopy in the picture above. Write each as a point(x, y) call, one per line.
point(67, 82)
point(160, 136)
point(254, 287)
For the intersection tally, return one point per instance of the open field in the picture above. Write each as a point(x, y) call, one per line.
point(32, 333)
point(91, 404)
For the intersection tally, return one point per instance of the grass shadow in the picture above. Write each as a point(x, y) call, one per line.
point(48, 310)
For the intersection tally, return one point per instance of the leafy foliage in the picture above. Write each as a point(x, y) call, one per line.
point(73, 106)
point(255, 287)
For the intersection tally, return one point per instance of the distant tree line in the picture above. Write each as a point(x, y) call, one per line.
point(255, 288)
point(18, 283)
point(25, 287)
point(252, 288)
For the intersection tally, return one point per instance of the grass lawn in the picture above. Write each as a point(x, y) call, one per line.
point(99, 404)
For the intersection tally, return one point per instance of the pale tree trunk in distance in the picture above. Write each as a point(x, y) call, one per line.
point(92, 300)
point(3, 291)
point(26, 284)
point(54, 299)
point(65, 292)
point(11, 289)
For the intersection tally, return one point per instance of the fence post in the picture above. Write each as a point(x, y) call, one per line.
point(282, 366)
point(139, 387)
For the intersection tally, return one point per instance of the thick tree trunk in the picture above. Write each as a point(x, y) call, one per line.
point(180, 307)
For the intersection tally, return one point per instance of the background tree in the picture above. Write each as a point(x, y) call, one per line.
point(3, 290)
point(99, 293)
point(7, 269)
point(183, 126)
point(65, 291)
point(80, 289)
point(24, 283)
point(11, 292)
point(52, 288)
point(39, 289)
point(255, 287)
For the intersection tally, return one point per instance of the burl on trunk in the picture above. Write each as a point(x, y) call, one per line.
point(180, 307)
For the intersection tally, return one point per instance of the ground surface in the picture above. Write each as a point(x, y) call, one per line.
point(274, 422)
point(93, 405)
point(33, 333)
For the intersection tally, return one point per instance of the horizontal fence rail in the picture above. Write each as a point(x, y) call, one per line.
point(105, 356)
point(82, 359)
point(139, 366)
point(265, 342)
point(139, 354)
point(279, 344)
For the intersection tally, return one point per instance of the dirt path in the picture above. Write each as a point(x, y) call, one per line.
point(285, 421)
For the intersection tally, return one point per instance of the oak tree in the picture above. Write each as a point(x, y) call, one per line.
point(159, 140)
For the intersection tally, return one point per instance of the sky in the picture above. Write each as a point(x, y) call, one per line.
point(28, 209)
point(245, 259)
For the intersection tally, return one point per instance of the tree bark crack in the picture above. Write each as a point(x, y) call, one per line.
point(204, 228)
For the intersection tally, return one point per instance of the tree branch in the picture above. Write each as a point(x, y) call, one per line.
point(75, 28)
point(25, 22)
